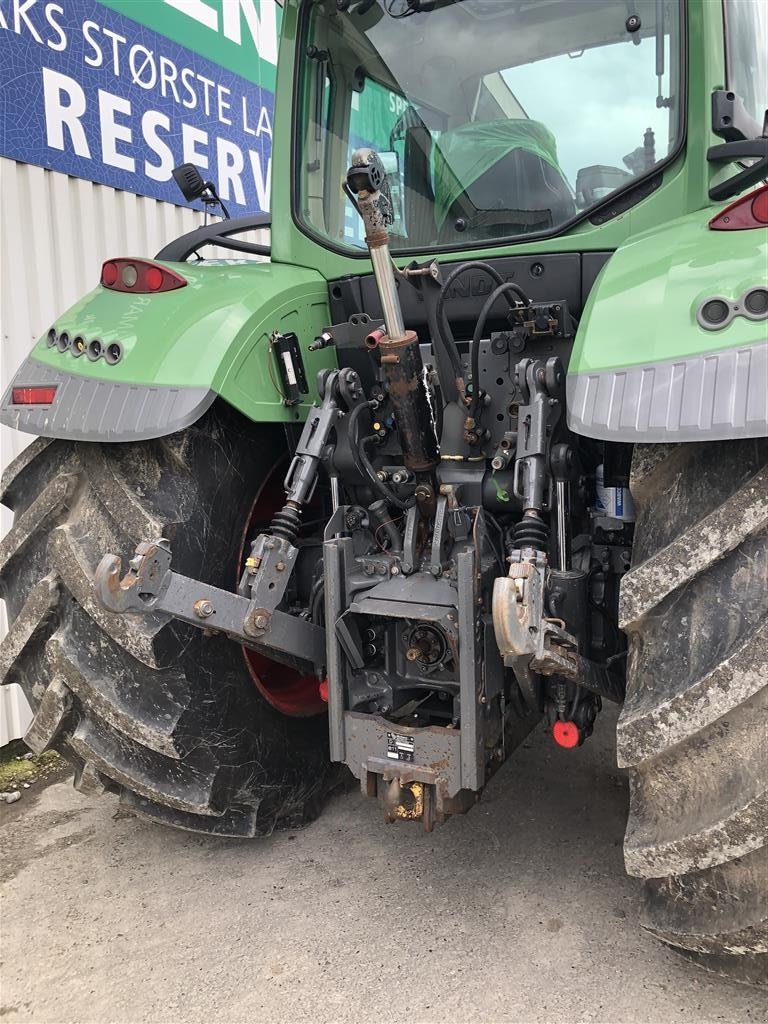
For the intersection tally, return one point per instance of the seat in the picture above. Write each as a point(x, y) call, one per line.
point(499, 178)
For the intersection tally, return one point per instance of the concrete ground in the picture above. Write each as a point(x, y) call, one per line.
point(519, 911)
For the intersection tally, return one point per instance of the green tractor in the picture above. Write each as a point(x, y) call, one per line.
point(482, 445)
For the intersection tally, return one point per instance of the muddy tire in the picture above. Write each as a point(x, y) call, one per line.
point(163, 715)
point(694, 729)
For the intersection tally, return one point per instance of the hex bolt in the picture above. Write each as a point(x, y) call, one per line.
point(280, 566)
point(203, 608)
point(261, 621)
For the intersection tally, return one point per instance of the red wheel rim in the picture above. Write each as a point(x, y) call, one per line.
point(286, 689)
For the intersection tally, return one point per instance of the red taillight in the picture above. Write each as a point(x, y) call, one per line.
point(748, 212)
point(139, 276)
point(109, 274)
point(33, 395)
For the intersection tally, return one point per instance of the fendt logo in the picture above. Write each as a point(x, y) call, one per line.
point(474, 286)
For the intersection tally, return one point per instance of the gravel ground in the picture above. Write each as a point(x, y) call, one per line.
point(519, 911)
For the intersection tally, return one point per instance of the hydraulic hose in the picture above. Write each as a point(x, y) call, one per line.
point(362, 463)
point(442, 320)
point(506, 288)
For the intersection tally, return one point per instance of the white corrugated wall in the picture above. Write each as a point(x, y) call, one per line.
point(55, 232)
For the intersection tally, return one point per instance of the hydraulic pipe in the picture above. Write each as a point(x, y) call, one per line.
point(399, 352)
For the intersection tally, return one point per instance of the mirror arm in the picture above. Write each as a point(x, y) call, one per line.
point(729, 152)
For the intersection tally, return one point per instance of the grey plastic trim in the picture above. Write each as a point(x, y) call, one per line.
point(100, 410)
point(712, 397)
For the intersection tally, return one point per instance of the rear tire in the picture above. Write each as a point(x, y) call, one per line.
point(160, 713)
point(694, 726)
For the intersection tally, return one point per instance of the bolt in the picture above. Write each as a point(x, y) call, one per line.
point(395, 570)
point(413, 654)
point(203, 608)
point(261, 621)
point(280, 566)
point(369, 569)
point(497, 462)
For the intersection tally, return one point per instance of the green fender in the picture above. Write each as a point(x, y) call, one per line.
point(180, 349)
point(646, 366)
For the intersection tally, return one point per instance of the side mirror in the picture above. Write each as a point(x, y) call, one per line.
point(189, 180)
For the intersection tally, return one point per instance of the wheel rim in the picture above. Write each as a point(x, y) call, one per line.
point(287, 690)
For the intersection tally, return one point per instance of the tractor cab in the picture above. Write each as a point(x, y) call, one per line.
point(494, 120)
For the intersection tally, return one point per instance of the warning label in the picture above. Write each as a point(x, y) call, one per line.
point(400, 748)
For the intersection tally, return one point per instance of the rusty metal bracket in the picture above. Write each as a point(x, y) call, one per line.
point(149, 586)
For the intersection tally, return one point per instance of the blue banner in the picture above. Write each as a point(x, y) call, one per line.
point(89, 92)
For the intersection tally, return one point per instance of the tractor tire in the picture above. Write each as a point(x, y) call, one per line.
point(694, 729)
point(169, 718)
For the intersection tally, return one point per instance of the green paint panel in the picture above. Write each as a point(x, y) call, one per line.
point(642, 309)
point(214, 333)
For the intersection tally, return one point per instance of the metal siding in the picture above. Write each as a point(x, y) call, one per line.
point(55, 232)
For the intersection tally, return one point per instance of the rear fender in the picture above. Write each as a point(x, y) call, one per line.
point(644, 367)
point(180, 350)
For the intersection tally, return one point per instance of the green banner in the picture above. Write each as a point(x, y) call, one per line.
point(240, 35)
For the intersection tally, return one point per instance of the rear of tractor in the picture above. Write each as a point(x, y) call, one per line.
point(501, 457)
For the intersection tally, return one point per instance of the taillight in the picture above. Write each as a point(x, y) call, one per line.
point(139, 276)
point(748, 212)
point(33, 395)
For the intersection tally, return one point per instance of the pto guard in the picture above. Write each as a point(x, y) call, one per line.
point(644, 368)
point(179, 351)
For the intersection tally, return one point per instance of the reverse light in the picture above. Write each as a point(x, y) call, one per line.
point(140, 277)
point(34, 395)
point(750, 211)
